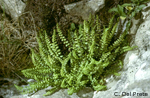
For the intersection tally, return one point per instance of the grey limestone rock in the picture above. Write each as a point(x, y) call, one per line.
point(135, 76)
point(14, 8)
point(84, 8)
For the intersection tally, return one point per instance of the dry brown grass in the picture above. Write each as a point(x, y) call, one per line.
point(15, 44)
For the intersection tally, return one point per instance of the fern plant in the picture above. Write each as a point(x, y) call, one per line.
point(93, 53)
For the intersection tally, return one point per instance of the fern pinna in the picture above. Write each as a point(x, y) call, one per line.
point(92, 55)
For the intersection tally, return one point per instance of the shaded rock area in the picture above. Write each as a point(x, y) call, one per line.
point(7, 88)
point(84, 8)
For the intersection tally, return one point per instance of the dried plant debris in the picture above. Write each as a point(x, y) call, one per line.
point(15, 47)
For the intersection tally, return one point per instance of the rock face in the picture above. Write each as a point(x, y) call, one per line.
point(14, 8)
point(84, 8)
point(135, 77)
point(85, 93)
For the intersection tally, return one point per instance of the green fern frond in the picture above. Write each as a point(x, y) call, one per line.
point(37, 61)
point(63, 39)
point(51, 91)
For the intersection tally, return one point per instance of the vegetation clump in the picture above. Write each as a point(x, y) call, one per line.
point(93, 53)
